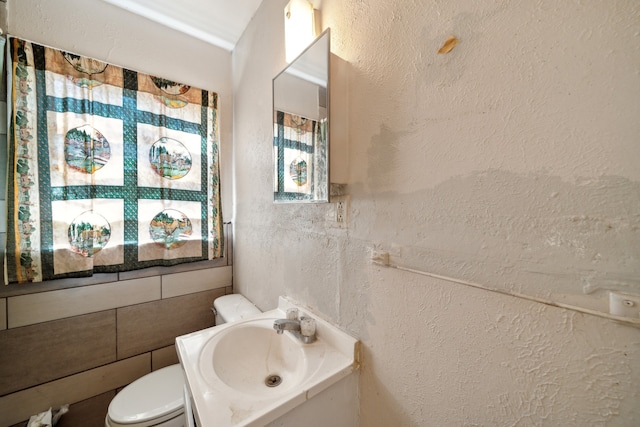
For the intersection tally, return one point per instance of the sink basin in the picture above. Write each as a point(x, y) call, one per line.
point(252, 358)
point(245, 374)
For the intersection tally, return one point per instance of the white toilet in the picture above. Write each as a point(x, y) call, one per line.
point(157, 398)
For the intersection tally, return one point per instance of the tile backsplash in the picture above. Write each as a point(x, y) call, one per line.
point(45, 306)
point(70, 342)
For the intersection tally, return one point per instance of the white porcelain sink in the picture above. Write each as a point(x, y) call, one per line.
point(251, 358)
point(245, 374)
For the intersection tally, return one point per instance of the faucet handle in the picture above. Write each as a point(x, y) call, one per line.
point(292, 313)
point(307, 327)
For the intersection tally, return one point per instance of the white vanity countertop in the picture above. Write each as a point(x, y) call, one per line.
point(332, 357)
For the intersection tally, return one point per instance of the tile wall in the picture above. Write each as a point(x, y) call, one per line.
point(78, 342)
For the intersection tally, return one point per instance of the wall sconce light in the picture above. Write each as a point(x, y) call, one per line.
point(300, 28)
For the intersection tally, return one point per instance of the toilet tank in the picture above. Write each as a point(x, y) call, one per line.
point(229, 308)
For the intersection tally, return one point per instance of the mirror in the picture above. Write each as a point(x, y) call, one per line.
point(301, 127)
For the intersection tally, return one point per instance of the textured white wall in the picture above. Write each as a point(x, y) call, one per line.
point(511, 162)
point(102, 31)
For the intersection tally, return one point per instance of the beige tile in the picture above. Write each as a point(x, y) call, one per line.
point(88, 413)
point(75, 388)
point(150, 326)
point(56, 285)
point(36, 354)
point(3, 313)
point(195, 281)
point(164, 357)
point(45, 306)
point(159, 270)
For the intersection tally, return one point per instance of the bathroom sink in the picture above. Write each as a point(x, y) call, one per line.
point(252, 358)
point(245, 374)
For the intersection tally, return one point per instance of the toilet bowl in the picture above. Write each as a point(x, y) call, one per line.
point(157, 399)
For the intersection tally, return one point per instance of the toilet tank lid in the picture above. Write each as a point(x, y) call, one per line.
point(152, 396)
point(234, 307)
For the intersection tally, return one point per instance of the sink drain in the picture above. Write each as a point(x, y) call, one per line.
point(273, 380)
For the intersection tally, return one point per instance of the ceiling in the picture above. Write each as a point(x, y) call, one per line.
point(219, 22)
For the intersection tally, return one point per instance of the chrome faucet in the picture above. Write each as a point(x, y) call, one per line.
point(303, 328)
point(281, 325)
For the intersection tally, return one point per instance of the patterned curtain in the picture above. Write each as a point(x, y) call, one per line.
point(109, 169)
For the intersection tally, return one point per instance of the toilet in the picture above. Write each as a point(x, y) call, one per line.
point(157, 399)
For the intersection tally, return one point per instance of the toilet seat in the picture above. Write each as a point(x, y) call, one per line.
point(177, 417)
point(155, 398)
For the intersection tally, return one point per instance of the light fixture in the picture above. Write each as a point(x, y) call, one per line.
point(299, 27)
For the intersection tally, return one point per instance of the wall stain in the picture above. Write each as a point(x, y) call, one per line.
point(530, 233)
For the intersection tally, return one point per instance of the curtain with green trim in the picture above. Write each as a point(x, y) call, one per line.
point(109, 169)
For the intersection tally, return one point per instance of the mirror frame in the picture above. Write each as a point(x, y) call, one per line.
point(316, 195)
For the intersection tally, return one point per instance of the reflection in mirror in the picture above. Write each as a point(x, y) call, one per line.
point(301, 127)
